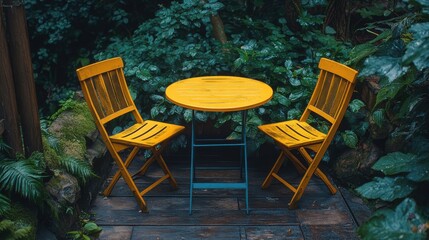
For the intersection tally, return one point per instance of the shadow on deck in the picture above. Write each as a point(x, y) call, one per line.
point(220, 214)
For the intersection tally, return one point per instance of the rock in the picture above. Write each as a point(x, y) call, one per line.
point(64, 188)
point(354, 165)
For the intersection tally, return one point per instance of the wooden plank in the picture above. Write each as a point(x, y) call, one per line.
point(186, 232)
point(168, 204)
point(313, 201)
point(272, 232)
point(322, 232)
point(358, 209)
point(116, 233)
point(207, 217)
point(324, 217)
point(218, 214)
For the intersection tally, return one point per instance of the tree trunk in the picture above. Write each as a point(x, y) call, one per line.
point(8, 107)
point(23, 75)
point(292, 13)
point(218, 29)
point(338, 17)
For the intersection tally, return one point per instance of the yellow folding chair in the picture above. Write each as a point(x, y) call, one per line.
point(296, 138)
point(106, 92)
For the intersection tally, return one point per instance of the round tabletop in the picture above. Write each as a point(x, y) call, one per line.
point(219, 93)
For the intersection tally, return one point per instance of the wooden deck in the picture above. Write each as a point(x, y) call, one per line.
point(219, 214)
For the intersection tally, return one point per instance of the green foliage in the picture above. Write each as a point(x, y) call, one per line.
point(23, 177)
point(177, 43)
point(405, 222)
point(4, 204)
point(89, 230)
point(9, 230)
point(386, 189)
point(400, 59)
point(78, 168)
point(62, 149)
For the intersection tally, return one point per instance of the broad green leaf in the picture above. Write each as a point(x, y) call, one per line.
point(361, 51)
point(293, 114)
point(294, 82)
point(404, 222)
point(394, 163)
point(350, 138)
point(187, 115)
point(356, 104)
point(409, 104)
point(92, 228)
point(296, 95)
point(388, 92)
point(387, 66)
point(386, 189)
point(284, 101)
point(420, 172)
point(418, 50)
point(378, 116)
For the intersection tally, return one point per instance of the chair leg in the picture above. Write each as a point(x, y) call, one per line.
point(156, 155)
point(167, 171)
point(131, 184)
point(274, 169)
point(319, 172)
point(117, 175)
point(305, 180)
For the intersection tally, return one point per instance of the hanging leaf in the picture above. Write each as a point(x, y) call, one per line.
point(356, 104)
point(386, 189)
point(350, 138)
point(394, 163)
point(405, 222)
point(387, 66)
point(378, 117)
point(388, 92)
point(418, 50)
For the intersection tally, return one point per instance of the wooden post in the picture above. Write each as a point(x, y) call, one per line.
point(8, 106)
point(25, 88)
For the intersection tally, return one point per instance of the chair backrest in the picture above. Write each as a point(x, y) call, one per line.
point(332, 94)
point(106, 92)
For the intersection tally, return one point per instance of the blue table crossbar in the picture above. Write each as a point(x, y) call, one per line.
point(195, 143)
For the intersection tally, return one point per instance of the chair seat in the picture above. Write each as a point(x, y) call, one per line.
point(293, 133)
point(147, 134)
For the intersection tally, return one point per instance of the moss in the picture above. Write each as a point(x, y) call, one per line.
point(50, 154)
point(23, 217)
point(73, 148)
point(73, 124)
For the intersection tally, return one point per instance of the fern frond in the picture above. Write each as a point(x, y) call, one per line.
point(4, 149)
point(22, 233)
point(78, 168)
point(6, 225)
point(4, 204)
point(23, 178)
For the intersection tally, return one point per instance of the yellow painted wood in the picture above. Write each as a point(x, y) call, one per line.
point(106, 92)
point(329, 101)
point(219, 93)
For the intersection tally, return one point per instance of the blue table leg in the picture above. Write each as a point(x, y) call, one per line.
point(192, 169)
point(243, 138)
point(243, 158)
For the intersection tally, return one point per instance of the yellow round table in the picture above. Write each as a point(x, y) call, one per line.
point(219, 94)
